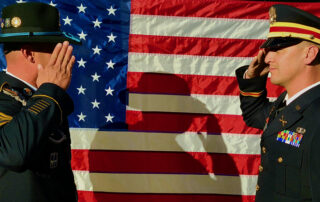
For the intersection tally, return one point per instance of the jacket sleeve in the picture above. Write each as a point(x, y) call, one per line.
point(24, 130)
point(253, 99)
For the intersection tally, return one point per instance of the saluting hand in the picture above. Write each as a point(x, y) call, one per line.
point(59, 68)
point(257, 66)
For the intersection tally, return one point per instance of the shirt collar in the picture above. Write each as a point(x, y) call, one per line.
point(289, 100)
point(28, 84)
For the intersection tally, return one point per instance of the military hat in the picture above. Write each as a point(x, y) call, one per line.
point(32, 22)
point(289, 26)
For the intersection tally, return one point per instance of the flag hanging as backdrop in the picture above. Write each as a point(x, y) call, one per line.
point(157, 114)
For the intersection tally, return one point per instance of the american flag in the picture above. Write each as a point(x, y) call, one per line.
point(157, 114)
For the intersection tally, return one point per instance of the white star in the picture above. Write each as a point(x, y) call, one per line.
point(110, 64)
point(95, 77)
point(67, 21)
point(81, 117)
point(82, 8)
point(97, 23)
point(52, 4)
point(111, 11)
point(112, 37)
point(96, 50)
point(109, 118)
point(81, 90)
point(82, 35)
point(82, 63)
point(109, 91)
point(20, 1)
point(95, 104)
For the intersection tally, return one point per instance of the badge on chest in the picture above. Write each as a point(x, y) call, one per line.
point(290, 137)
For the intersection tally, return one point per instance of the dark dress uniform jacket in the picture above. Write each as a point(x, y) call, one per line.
point(35, 149)
point(288, 173)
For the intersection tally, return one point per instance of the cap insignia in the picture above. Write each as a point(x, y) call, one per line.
point(272, 15)
point(16, 22)
point(7, 22)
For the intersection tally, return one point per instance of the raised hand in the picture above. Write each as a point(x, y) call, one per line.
point(257, 66)
point(59, 68)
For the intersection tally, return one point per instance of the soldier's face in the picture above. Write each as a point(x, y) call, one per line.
point(285, 65)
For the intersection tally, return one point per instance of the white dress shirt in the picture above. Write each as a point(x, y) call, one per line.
point(289, 100)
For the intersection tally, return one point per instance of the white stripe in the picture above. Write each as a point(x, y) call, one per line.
point(204, 104)
point(185, 64)
point(164, 183)
point(175, 142)
point(199, 27)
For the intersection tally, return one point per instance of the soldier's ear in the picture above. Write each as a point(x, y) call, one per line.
point(311, 54)
point(28, 54)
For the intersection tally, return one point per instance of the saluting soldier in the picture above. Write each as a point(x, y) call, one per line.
point(35, 151)
point(290, 143)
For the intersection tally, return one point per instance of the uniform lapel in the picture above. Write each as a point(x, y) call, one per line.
point(291, 113)
point(284, 120)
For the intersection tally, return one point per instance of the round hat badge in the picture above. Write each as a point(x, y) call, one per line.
point(16, 22)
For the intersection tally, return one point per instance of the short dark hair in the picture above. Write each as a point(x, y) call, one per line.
point(40, 47)
point(8, 47)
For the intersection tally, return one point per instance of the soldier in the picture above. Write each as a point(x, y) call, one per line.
point(35, 151)
point(290, 143)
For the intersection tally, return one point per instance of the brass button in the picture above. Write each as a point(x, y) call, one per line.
point(260, 168)
point(280, 159)
point(257, 188)
point(264, 150)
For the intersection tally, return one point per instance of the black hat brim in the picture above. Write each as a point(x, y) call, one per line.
point(39, 39)
point(280, 42)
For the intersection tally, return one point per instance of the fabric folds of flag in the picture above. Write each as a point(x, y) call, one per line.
point(157, 114)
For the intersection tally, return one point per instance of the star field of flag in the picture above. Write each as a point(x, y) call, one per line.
point(99, 73)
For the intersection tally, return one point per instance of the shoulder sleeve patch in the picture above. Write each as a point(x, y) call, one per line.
point(39, 106)
point(52, 99)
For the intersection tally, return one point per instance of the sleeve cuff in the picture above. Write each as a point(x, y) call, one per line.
point(254, 86)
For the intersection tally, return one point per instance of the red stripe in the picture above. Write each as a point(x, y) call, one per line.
point(85, 196)
point(200, 46)
point(165, 162)
point(182, 122)
point(212, 9)
point(180, 84)
point(294, 30)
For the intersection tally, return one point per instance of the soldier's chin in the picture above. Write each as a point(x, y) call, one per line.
point(275, 81)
